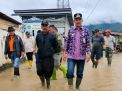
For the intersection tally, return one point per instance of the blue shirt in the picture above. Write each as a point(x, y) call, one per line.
point(97, 42)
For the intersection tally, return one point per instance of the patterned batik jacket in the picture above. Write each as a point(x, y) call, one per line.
point(83, 44)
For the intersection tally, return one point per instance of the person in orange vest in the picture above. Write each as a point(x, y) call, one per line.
point(14, 49)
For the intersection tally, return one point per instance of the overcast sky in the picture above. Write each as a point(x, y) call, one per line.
point(105, 11)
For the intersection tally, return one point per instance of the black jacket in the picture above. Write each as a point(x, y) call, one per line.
point(18, 46)
point(46, 44)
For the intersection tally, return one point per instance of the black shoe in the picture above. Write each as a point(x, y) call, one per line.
point(42, 81)
point(78, 82)
point(93, 65)
point(16, 72)
point(48, 86)
point(48, 83)
point(96, 64)
point(109, 64)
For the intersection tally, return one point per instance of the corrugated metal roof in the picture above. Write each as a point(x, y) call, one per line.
point(42, 13)
point(46, 13)
point(43, 10)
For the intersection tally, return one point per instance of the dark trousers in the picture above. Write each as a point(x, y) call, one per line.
point(15, 61)
point(96, 54)
point(45, 67)
point(29, 55)
point(71, 65)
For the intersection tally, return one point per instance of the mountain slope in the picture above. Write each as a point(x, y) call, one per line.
point(115, 27)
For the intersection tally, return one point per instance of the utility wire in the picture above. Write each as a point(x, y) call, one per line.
point(87, 1)
point(93, 9)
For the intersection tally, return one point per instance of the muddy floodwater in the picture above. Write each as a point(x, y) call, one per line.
point(103, 78)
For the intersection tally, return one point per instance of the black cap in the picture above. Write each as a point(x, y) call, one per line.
point(77, 15)
point(11, 29)
point(44, 22)
point(96, 30)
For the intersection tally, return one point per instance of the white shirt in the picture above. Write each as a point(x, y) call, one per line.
point(109, 42)
point(29, 44)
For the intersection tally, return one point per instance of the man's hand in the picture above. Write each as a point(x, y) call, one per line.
point(88, 57)
point(64, 56)
point(6, 57)
point(34, 51)
point(22, 54)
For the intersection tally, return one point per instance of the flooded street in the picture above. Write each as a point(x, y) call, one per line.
point(103, 78)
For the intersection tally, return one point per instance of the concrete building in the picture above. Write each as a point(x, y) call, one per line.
point(31, 19)
point(6, 21)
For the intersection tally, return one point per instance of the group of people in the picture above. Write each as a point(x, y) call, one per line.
point(51, 51)
point(47, 48)
point(102, 42)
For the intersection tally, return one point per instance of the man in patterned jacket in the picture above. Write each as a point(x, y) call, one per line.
point(77, 50)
